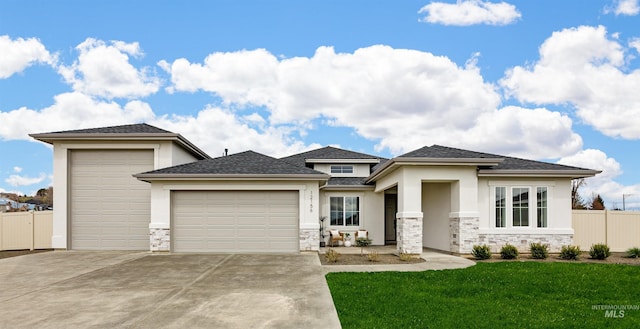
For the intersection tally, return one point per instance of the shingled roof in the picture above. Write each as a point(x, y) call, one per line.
point(245, 164)
point(138, 128)
point(488, 164)
point(348, 182)
point(330, 153)
point(138, 131)
point(507, 163)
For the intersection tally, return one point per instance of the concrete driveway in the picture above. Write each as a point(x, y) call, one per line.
point(81, 289)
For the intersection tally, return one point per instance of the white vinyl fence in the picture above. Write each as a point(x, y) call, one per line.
point(620, 230)
point(26, 230)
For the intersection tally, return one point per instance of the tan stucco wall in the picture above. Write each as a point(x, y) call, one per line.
point(371, 213)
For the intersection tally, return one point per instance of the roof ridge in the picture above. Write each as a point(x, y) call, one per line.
point(133, 128)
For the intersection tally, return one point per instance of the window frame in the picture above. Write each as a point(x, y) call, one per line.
point(532, 204)
point(522, 208)
point(341, 169)
point(542, 204)
point(344, 210)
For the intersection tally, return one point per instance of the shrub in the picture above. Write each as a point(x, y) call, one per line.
point(570, 252)
point(599, 251)
point(481, 252)
point(633, 252)
point(405, 257)
point(373, 257)
point(362, 242)
point(509, 252)
point(539, 250)
point(332, 256)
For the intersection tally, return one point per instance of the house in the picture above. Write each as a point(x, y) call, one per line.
point(7, 204)
point(144, 188)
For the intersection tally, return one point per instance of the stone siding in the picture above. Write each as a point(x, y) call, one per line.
point(522, 241)
point(309, 239)
point(409, 235)
point(463, 234)
point(160, 239)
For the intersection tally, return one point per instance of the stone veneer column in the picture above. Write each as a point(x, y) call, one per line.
point(409, 235)
point(309, 239)
point(463, 233)
point(160, 239)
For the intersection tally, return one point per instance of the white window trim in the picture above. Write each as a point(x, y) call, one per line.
point(327, 210)
point(342, 166)
point(533, 205)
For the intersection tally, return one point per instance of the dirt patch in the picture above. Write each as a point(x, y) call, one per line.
point(615, 258)
point(357, 259)
point(15, 253)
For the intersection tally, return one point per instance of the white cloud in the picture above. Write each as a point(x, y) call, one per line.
point(405, 99)
point(582, 67)
point(71, 111)
point(215, 129)
point(624, 7)
point(17, 169)
point(17, 180)
point(603, 183)
point(104, 70)
point(470, 12)
point(635, 43)
point(21, 53)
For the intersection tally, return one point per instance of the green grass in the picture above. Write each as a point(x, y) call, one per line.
point(489, 295)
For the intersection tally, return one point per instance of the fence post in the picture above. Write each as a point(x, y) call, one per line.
point(606, 227)
point(33, 230)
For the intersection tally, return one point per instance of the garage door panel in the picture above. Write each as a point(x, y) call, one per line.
point(235, 221)
point(110, 209)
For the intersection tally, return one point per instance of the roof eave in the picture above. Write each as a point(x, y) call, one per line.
point(50, 138)
point(348, 187)
point(395, 162)
point(212, 177)
point(342, 160)
point(577, 173)
point(450, 161)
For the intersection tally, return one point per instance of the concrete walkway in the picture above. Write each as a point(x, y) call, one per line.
point(433, 261)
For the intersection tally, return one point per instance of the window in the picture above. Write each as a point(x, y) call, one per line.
point(344, 210)
point(541, 196)
point(501, 206)
point(342, 169)
point(520, 206)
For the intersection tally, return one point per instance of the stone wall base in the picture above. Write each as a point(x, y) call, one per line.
point(409, 235)
point(463, 234)
point(160, 239)
point(309, 239)
point(522, 241)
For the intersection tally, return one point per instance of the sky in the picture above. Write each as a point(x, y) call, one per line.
point(555, 81)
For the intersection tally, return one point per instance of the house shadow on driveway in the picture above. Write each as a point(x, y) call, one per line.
point(81, 289)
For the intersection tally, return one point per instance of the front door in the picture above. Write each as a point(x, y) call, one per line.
point(390, 210)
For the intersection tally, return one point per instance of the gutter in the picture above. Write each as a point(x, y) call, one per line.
point(212, 177)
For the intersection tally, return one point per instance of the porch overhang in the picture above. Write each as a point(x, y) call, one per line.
point(577, 173)
point(394, 163)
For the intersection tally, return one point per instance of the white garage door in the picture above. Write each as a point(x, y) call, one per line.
point(110, 209)
point(235, 221)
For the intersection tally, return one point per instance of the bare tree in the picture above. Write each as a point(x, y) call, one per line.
point(576, 199)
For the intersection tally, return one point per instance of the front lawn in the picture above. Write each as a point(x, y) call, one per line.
point(491, 295)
